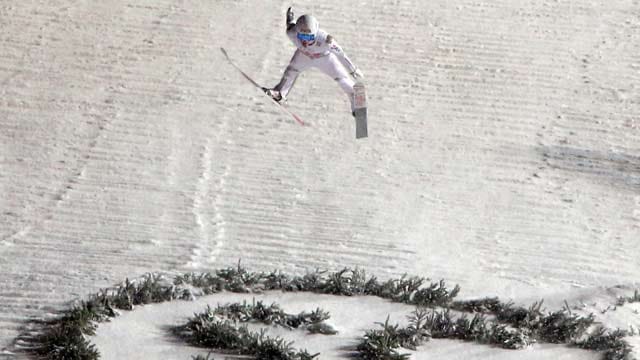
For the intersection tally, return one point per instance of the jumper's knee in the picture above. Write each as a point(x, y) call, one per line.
point(347, 86)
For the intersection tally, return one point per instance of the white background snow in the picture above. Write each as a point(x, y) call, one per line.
point(503, 151)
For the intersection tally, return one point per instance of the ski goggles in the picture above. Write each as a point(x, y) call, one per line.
point(306, 37)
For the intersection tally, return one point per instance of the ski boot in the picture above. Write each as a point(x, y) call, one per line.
point(275, 94)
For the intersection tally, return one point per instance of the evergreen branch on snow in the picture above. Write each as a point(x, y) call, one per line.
point(64, 337)
point(273, 315)
point(610, 342)
point(384, 343)
point(629, 299)
point(561, 327)
point(211, 331)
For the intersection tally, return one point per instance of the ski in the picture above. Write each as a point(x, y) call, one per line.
point(360, 110)
point(282, 107)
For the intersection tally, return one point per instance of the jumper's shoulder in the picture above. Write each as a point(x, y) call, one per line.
point(321, 37)
point(331, 43)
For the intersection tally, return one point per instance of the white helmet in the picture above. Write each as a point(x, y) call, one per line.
point(307, 28)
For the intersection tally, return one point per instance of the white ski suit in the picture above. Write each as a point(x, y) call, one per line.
point(324, 54)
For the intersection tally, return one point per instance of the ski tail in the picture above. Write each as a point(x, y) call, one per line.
point(360, 111)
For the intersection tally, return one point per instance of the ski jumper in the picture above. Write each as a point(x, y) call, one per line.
point(323, 53)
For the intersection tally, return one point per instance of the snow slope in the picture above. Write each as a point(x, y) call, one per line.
point(503, 151)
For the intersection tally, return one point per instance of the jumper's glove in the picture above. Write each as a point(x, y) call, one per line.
point(357, 74)
point(290, 20)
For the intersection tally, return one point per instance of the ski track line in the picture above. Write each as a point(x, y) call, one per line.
point(57, 196)
point(202, 193)
point(206, 252)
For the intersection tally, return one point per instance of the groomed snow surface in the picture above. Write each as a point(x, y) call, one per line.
point(503, 155)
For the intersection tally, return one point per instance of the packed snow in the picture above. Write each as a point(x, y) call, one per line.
point(502, 156)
